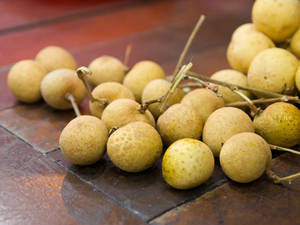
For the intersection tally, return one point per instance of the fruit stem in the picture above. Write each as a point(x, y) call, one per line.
point(278, 148)
point(191, 85)
point(203, 83)
point(81, 72)
point(253, 108)
point(235, 87)
point(127, 54)
point(277, 180)
point(177, 79)
point(144, 106)
point(188, 44)
point(71, 98)
point(112, 130)
point(265, 100)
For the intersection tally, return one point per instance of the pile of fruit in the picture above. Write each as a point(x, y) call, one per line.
point(240, 114)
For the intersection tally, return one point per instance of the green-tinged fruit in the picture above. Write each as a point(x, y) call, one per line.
point(187, 163)
point(279, 124)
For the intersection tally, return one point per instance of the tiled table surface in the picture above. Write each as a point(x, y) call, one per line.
point(38, 186)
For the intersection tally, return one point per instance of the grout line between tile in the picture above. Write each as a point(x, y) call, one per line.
point(35, 148)
point(211, 188)
point(103, 9)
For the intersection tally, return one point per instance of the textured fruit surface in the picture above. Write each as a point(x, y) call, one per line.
point(273, 70)
point(134, 147)
point(187, 163)
point(222, 124)
point(83, 140)
point(156, 89)
point(24, 80)
point(54, 57)
point(295, 43)
point(278, 19)
point(109, 91)
point(105, 69)
point(123, 111)
point(279, 124)
point(245, 44)
point(244, 157)
point(232, 77)
point(57, 84)
point(177, 122)
point(140, 75)
point(203, 101)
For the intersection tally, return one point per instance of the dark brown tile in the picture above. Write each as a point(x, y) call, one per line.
point(37, 124)
point(35, 190)
point(260, 202)
point(144, 194)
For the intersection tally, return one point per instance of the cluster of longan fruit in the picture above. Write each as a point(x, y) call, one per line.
point(128, 121)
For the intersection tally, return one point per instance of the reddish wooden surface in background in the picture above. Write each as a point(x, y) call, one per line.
point(38, 186)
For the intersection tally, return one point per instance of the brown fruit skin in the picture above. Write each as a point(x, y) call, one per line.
point(24, 80)
point(134, 147)
point(245, 44)
point(106, 69)
point(177, 122)
point(279, 124)
point(54, 57)
point(156, 89)
point(203, 101)
point(273, 70)
point(222, 124)
point(187, 163)
point(123, 111)
point(83, 140)
point(57, 84)
point(109, 91)
point(278, 19)
point(140, 75)
point(232, 77)
point(295, 43)
point(244, 157)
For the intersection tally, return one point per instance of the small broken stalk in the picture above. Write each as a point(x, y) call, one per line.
point(278, 148)
point(127, 54)
point(71, 98)
point(81, 73)
point(176, 81)
point(277, 180)
point(188, 44)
